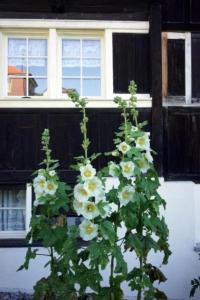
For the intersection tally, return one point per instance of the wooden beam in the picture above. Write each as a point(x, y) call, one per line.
point(156, 75)
point(164, 65)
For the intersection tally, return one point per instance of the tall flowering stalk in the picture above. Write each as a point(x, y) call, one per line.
point(99, 226)
point(139, 199)
point(49, 227)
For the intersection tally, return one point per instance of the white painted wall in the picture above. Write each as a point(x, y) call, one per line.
point(183, 218)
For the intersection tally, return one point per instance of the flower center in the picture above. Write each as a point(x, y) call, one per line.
point(50, 186)
point(83, 192)
point(89, 229)
point(90, 208)
point(92, 186)
point(141, 163)
point(125, 195)
point(87, 173)
point(124, 148)
point(42, 183)
point(127, 169)
point(141, 141)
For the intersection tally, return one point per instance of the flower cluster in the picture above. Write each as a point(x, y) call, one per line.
point(90, 201)
point(45, 184)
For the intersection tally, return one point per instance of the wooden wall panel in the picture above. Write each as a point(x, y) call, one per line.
point(195, 65)
point(195, 11)
point(182, 143)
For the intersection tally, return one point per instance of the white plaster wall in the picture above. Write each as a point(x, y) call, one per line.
point(183, 218)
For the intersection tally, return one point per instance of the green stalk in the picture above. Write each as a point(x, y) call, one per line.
point(85, 147)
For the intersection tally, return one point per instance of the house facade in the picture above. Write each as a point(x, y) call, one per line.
point(97, 47)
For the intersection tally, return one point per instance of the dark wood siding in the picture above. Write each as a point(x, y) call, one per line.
point(176, 67)
point(131, 61)
point(182, 143)
point(77, 9)
point(20, 135)
point(196, 65)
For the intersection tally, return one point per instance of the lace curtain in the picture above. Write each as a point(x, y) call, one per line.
point(12, 210)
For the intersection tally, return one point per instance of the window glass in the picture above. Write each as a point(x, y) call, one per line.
point(12, 210)
point(27, 67)
point(81, 66)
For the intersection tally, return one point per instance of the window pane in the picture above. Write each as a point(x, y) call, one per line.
point(17, 66)
point(37, 87)
point(12, 220)
point(71, 67)
point(91, 87)
point(176, 67)
point(16, 86)
point(12, 198)
point(16, 47)
point(71, 48)
point(37, 47)
point(91, 48)
point(71, 84)
point(91, 67)
point(37, 67)
point(74, 221)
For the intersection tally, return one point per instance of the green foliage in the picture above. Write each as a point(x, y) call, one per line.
point(195, 286)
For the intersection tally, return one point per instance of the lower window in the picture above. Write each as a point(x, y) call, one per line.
point(15, 211)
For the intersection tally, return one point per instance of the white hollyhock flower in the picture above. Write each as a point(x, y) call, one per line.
point(100, 196)
point(51, 187)
point(78, 207)
point(88, 230)
point(87, 172)
point(80, 193)
point(143, 142)
point(93, 186)
point(126, 195)
point(105, 210)
point(52, 173)
point(124, 147)
point(143, 165)
point(148, 156)
point(39, 184)
point(90, 211)
point(113, 169)
point(127, 168)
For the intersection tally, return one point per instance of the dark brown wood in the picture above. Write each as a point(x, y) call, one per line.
point(131, 61)
point(156, 77)
point(195, 66)
point(20, 136)
point(182, 143)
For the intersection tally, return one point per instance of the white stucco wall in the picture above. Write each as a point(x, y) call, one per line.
point(183, 218)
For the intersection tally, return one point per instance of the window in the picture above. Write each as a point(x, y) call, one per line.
point(27, 66)
point(43, 60)
point(176, 66)
point(81, 66)
point(15, 211)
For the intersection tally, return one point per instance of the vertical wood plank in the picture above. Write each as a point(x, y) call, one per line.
point(164, 65)
point(156, 75)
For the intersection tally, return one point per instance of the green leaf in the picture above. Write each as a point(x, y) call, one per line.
point(121, 265)
point(30, 254)
point(107, 230)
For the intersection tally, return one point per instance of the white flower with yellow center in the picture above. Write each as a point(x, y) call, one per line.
point(93, 186)
point(100, 196)
point(78, 207)
point(80, 193)
point(113, 169)
point(51, 188)
point(143, 142)
point(127, 168)
point(124, 147)
point(87, 172)
point(143, 165)
point(148, 156)
point(88, 230)
point(126, 195)
point(39, 184)
point(90, 210)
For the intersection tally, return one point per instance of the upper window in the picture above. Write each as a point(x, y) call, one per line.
point(27, 67)
point(15, 212)
point(81, 66)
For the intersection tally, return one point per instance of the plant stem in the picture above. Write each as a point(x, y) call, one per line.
point(85, 148)
point(125, 123)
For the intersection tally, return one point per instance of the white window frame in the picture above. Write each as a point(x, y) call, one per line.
point(54, 30)
point(21, 234)
point(186, 36)
point(4, 66)
point(98, 35)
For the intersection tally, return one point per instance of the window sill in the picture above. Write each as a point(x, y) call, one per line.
point(180, 101)
point(63, 103)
